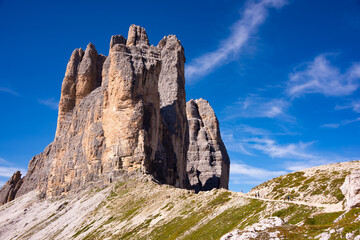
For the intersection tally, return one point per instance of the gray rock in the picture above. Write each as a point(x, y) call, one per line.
point(170, 163)
point(256, 231)
point(351, 189)
point(137, 36)
point(9, 190)
point(117, 39)
point(208, 163)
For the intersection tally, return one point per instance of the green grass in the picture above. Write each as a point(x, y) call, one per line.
point(179, 225)
point(320, 223)
point(294, 213)
point(84, 229)
point(227, 221)
point(220, 199)
point(168, 206)
point(176, 227)
point(323, 219)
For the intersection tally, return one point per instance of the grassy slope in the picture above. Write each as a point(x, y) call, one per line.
point(159, 215)
point(142, 209)
point(208, 215)
point(319, 184)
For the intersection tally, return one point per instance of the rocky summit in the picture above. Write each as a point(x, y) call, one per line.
point(123, 113)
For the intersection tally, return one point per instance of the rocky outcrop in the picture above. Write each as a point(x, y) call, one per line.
point(83, 75)
point(260, 230)
point(9, 190)
point(207, 160)
point(127, 112)
point(351, 189)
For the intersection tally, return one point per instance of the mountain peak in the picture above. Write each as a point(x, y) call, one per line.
point(127, 112)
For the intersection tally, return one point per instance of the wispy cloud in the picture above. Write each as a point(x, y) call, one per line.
point(254, 141)
point(303, 164)
point(254, 106)
point(234, 145)
point(9, 91)
point(252, 17)
point(271, 148)
point(296, 156)
point(320, 76)
point(253, 172)
point(9, 171)
point(3, 161)
point(51, 102)
point(342, 123)
point(354, 105)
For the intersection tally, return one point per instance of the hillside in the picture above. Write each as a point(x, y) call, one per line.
point(137, 207)
point(316, 185)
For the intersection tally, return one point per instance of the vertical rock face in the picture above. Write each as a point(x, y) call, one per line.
point(131, 103)
point(170, 164)
point(208, 163)
point(127, 112)
point(83, 75)
point(351, 189)
point(9, 190)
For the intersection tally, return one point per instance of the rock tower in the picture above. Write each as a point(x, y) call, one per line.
point(127, 112)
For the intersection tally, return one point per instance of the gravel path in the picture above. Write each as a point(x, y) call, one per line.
point(327, 207)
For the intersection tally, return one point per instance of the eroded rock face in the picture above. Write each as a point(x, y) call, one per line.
point(127, 112)
point(170, 163)
point(9, 190)
point(83, 75)
point(351, 189)
point(131, 105)
point(207, 160)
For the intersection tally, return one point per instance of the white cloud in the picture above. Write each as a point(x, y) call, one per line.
point(258, 107)
point(253, 172)
point(252, 141)
point(1, 183)
point(51, 102)
point(3, 161)
point(320, 76)
point(331, 125)
point(342, 123)
point(234, 145)
point(275, 150)
point(354, 105)
point(300, 165)
point(9, 90)
point(9, 171)
point(252, 17)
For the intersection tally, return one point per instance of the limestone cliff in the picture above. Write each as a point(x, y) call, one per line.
point(207, 159)
point(127, 112)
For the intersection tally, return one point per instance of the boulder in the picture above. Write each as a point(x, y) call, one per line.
point(351, 189)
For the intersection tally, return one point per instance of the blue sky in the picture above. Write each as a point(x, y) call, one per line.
point(282, 76)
